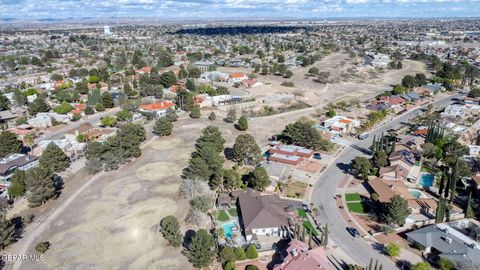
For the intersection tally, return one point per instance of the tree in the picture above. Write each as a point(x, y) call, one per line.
point(251, 252)
point(212, 116)
point(445, 264)
point(89, 110)
point(288, 74)
point(251, 267)
point(227, 254)
point(468, 209)
point(170, 229)
point(240, 254)
point(203, 203)
point(331, 113)
point(231, 115)
point(124, 115)
point(38, 105)
point(9, 143)
point(313, 71)
point(107, 100)
point(399, 89)
point(99, 107)
point(259, 179)
point(421, 79)
point(163, 127)
point(4, 103)
point(168, 79)
point(246, 151)
point(302, 133)
point(409, 81)
point(195, 112)
point(231, 179)
point(201, 249)
point(53, 159)
point(392, 250)
point(229, 266)
point(20, 98)
point(396, 211)
point(380, 159)
point(172, 115)
point(17, 187)
point(41, 185)
point(63, 108)
point(242, 123)
point(421, 266)
point(7, 231)
point(362, 167)
point(108, 121)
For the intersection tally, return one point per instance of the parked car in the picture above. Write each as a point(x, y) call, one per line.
point(363, 136)
point(317, 156)
point(353, 232)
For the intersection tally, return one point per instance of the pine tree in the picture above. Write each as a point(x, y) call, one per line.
point(251, 252)
point(9, 143)
point(7, 231)
point(325, 235)
point(370, 265)
point(17, 187)
point(201, 249)
point(243, 123)
point(240, 254)
point(163, 127)
point(107, 100)
point(53, 159)
point(171, 230)
point(41, 185)
point(374, 145)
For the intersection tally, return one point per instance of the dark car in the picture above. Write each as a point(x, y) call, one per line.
point(353, 232)
point(317, 156)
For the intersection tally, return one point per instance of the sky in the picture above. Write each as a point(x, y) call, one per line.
point(236, 9)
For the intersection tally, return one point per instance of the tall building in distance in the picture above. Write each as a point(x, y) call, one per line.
point(106, 30)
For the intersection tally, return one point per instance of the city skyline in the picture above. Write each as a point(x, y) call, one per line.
point(187, 10)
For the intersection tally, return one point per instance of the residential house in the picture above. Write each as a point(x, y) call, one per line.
point(72, 149)
point(289, 154)
point(408, 161)
point(264, 215)
point(387, 189)
point(339, 125)
point(90, 133)
point(44, 120)
point(377, 59)
point(144, 70)
point(10, 163)
point(160, 108)
point(237, 77)
point(456, 241)
point(453, 111)
point(393, 172)
point(298, 256)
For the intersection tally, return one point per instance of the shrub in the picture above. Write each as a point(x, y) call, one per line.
point(163, 127)
point(99, 107)
point(229, 266)
point(195, 112)
point(251, 267)
point(212, 116)
point(393, 250)
point(89, 110)
point(251, 252)
point(42, 247)
point(240, 254)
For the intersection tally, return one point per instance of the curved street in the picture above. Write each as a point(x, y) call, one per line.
point(325, 188)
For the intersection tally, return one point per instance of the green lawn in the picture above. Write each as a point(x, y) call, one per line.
point(357, 207)
point(223, 216)
point(353, 197)
point(302, 213)
point(233, 212)
point(310, 228)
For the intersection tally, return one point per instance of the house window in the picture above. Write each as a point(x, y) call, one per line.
point(263, 230)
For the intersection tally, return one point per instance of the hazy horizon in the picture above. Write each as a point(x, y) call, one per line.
point(219, 10)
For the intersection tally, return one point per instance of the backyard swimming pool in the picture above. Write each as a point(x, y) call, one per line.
point(229, 227)
point(426, 180)
point(415, 193)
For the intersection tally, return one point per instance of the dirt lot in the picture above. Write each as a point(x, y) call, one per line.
point(113, 223)
point(349, 79)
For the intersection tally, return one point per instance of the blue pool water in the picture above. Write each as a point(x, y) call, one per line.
point(426, 180)
point(416, 194)
point(228, 228)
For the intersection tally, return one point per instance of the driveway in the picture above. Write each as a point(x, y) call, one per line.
point(325, 189)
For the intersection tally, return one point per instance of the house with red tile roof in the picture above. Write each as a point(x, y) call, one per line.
point(299, 256)
point(159, 108)
point(237, 77)
point(144, 70)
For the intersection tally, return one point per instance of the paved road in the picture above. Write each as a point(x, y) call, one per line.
point(325, 189)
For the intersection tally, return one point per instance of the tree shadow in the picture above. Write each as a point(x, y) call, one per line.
point(187, 238)
point(18, 226)
point(379, 247)
point(228, 152)
point(364, 150)
point(344, 167)
point(404, 264)
point(59, 184)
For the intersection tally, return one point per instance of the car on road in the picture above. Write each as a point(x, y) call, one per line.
point(353, 232)
point(363, 136)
